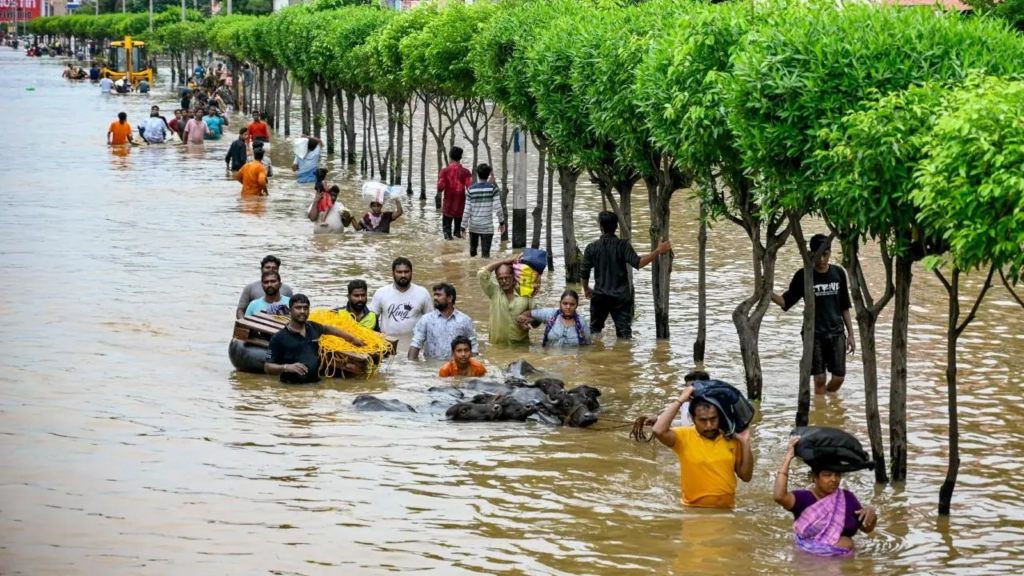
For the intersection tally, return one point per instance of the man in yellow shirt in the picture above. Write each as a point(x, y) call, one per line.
point(356, 307)
point(708, 462)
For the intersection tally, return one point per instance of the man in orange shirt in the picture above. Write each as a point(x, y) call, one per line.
point(120, 132)
point(253, 176)
point(258, 130)
point(462, 363)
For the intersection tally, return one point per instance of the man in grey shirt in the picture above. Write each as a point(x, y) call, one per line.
point(254, 291)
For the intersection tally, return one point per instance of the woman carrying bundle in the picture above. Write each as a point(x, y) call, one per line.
point(826, 516)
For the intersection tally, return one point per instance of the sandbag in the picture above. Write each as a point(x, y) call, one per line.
point(831, 449)
point(246, 357)
point(735, 412)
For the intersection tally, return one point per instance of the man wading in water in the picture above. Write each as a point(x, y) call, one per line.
point(506, 303)
point(612, 295)
point(831, 316)
point(294, 352)
point(708, 462)
point(254, 290)
point(400, 305)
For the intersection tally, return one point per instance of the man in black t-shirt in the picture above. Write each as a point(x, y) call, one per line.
point(612, 295)
point(294, 351)
point(833, 328)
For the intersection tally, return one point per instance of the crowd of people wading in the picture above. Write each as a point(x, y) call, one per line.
point(712, 443)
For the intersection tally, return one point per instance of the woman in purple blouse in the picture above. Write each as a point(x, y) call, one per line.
point(826, 516)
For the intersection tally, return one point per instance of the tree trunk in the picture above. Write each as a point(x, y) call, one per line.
point(375, 134)
point(903, 276)
point(234, 82)
point(506, 145)
point(702, 292)
point(329, 97)
point(317, 95)
point(803, 405)
point(867, 318)
point(342, 136)
point(953, 469)
point(350, 127)
point(954, 328)
point(538, 209)
point(288, 105)
point(395, 127)
point(364, 161)
point(306, 124)
point(547, 224)
point(423, 148)
point(659, 193)
point(567, 178)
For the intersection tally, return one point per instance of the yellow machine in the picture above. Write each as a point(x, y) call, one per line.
point(128, 58)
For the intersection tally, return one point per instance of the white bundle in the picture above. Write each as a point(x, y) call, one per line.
point(376, 192)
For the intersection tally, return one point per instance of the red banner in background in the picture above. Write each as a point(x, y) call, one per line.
point(27, 10)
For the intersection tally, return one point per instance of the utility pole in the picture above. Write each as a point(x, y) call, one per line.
point(182, 10)
point(150, 15)
point(519, 141)
point(229, 7)
point(122, 6)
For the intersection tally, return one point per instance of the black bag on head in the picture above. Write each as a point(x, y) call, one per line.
point(831, 449)
point(734, 411)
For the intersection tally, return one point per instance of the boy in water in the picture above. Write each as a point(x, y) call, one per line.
point(462, 362)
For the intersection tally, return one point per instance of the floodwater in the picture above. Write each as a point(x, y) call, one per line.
point(132, 447)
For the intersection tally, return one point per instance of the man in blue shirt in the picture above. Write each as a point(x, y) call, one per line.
point(215, 122)
point(435, 331)
point(272, 301)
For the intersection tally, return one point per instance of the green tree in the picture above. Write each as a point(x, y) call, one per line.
point(794, 81)
point(682, 100)
point(969, 189)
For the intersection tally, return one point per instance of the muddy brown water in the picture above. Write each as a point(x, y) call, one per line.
point(131, 446)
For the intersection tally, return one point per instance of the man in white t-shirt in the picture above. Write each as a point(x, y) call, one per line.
point(401, 304)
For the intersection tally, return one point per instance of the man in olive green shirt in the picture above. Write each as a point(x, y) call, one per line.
point(506, 304)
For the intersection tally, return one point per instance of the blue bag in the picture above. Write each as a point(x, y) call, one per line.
point(536, 259)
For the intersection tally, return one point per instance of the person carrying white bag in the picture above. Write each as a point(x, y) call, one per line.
point(376, 220)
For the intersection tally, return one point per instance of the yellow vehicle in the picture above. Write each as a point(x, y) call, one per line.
point(127, 58)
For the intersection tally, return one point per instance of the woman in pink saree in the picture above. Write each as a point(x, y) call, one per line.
point(826, 516)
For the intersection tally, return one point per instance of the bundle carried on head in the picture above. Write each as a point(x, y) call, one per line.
point(375, 345)
point(735, 412)
point(528, 271)
point(831, 449)
point(380, 193)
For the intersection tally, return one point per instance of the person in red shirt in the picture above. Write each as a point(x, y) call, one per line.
point(258, 130)
point(326, 202)
point(452, 183)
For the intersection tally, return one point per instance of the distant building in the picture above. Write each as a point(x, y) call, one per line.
point(957, 5)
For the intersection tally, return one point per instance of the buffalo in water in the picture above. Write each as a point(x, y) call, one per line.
point(477, 400)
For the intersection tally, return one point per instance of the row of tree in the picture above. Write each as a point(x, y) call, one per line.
point(900, 127)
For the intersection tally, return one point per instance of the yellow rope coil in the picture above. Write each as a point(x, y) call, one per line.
point(375, 346)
